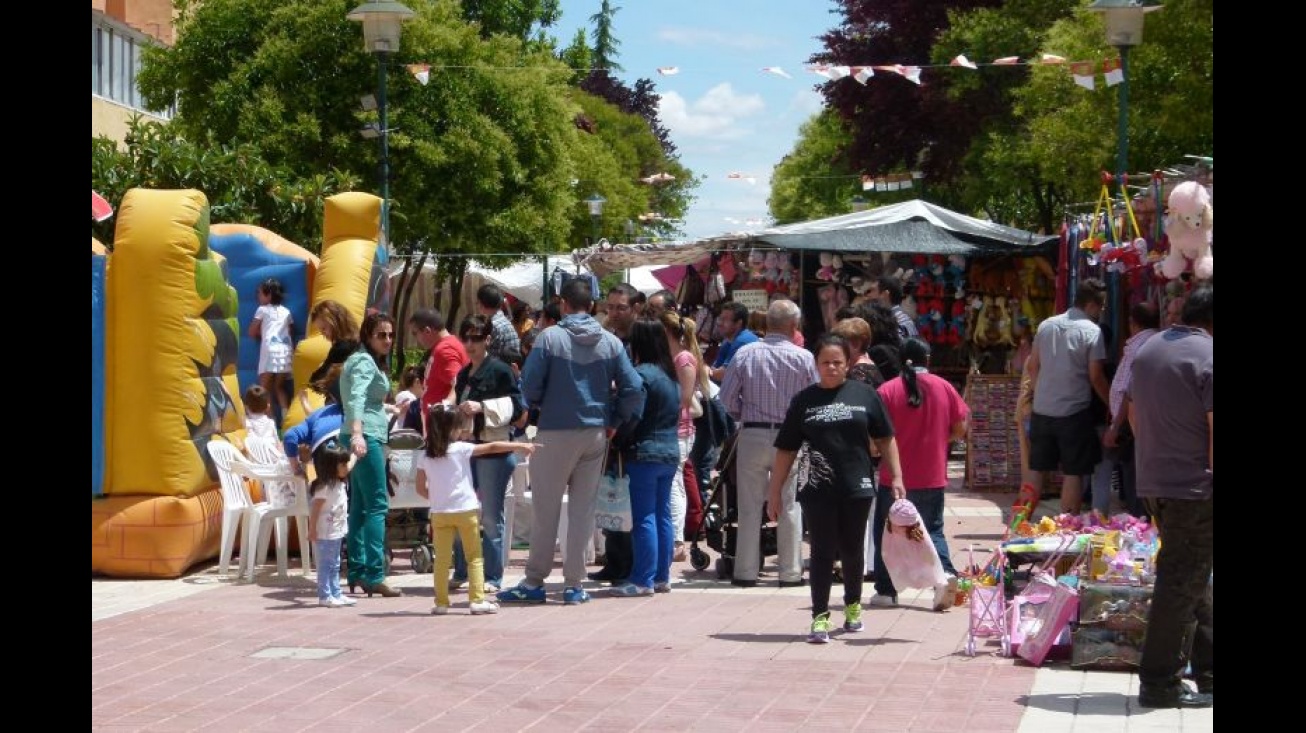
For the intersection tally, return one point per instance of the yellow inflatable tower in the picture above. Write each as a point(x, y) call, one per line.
point(170, 386)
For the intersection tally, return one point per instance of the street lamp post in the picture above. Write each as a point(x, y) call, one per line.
point(595, 203)
point(382, 26)
point(1124, 30)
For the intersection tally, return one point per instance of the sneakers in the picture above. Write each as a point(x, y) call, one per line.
point(346, 601)
point(333, 602)
point(481, 608)
point(439, 610)
point(820, 633)
point(572, 596)
point(664, 587)
point(883, 601)
point(945, 594)
point(852, 617)
point(521, 593)
point(491, 587)
point(456, 583)
point(630, 590)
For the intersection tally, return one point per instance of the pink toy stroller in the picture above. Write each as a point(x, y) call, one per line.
point(988, 605)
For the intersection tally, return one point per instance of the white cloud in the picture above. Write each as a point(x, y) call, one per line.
point(714, 115)
point(704, 37)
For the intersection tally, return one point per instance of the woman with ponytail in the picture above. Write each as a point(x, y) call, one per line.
point(927, 414)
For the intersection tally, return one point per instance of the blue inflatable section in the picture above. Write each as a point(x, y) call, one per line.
point(250, 263)
point(98, 263)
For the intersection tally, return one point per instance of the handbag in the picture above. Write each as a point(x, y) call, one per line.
point(612, 506)
point(714, 423)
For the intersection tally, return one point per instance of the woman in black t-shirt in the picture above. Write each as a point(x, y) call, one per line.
point(835, 422)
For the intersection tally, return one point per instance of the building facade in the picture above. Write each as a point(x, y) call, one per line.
point(120, 30)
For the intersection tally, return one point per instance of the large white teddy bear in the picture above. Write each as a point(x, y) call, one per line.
point(1188, 226)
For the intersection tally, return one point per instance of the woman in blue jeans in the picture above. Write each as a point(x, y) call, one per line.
point(487, 392)
point(650, 454)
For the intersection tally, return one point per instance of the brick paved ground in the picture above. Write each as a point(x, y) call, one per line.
point(205, 653)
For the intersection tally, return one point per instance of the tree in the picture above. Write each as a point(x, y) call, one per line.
point(517, 18)
point(242, 187)
point(816, 179)
point(605, 43)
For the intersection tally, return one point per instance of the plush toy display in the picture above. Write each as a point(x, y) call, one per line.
point(1189, 228)
point(827, 266)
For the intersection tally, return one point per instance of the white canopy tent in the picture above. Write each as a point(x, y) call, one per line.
point(523, 280)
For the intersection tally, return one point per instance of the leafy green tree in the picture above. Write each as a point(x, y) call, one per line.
point(578, 57)
point(241, 186)
point(517, 18)
point(815, 180)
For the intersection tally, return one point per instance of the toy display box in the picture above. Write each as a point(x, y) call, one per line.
point(1112, 622)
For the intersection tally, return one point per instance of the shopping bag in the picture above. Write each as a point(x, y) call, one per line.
point(612, 508)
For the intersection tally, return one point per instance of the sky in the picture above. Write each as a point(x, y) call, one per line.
point(724, 113)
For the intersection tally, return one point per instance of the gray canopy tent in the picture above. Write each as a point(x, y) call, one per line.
point(910, 227)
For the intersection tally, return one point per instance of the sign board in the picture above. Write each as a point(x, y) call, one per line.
point(754, 300)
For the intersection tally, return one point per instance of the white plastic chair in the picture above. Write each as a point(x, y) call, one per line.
point(288, 497)
point(237, 507)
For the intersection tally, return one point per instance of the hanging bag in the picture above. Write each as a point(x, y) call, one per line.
point(612, 507)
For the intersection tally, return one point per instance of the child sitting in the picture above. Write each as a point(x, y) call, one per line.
point(258, 423)
point(910, 558)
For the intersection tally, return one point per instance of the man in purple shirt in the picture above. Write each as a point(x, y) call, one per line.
point(759, 383)
point(1171, 409)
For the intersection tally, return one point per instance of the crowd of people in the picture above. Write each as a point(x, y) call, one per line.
point(831, 440)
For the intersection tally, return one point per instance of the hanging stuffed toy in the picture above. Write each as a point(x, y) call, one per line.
point(1188, 226)
point(827, 266)
point(716, 285)
point(756, 265)
point(786, 276)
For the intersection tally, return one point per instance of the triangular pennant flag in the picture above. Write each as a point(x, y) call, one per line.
point(1082, 73)
point(1114, 75)
point(777, 71)
point(422, 72)
point(913, 74)
point(961, 60)
point(668, 70)
point(1049, 58)
point(862, 73)
point(100, 208)
point(821, 70)
point(868, 183)
point(1007, 60)
point(839, 72)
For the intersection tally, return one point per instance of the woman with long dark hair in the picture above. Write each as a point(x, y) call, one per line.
point(927, 414)
point(648, 447)
point(364, 386)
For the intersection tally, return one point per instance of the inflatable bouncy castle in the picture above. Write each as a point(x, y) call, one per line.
point(254, 254)
point(166, 342)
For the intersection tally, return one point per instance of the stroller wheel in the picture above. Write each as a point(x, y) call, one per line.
point(423, 559)
point(698, 559)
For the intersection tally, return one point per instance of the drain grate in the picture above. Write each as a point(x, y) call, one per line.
point(297, 652)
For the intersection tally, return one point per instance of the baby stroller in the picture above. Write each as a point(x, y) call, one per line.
point(721, 518)
point(407, 525)
point(988, 604)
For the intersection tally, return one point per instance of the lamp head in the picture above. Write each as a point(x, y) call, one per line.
point(595, 203)
point(382, 23)
point(1124, 19)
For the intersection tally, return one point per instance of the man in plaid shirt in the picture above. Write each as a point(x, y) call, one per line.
point(759, 383)
point(504, 344)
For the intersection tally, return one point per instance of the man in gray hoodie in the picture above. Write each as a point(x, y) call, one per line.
point(584, 385)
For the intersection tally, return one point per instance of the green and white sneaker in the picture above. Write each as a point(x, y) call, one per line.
point(820, 633)
point(852, 617)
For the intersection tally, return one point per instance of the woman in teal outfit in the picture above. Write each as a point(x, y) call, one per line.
point(364, 387)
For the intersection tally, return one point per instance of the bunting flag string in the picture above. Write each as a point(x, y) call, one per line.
point(1082, 72)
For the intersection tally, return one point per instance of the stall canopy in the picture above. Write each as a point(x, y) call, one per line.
point(912, 226)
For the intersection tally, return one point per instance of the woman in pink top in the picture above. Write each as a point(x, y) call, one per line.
point(927, 415)
point(682, 338)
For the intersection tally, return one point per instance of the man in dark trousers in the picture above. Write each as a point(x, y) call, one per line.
point(1171, 406)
